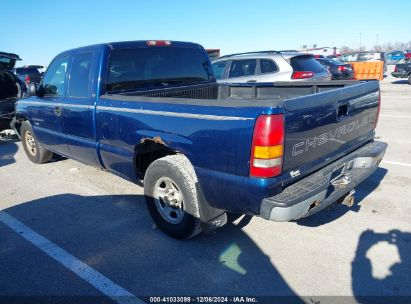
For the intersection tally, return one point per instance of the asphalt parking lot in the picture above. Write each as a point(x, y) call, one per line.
point(72, 221)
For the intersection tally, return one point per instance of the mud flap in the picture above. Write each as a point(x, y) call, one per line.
point(13, 126)
point(211, 218)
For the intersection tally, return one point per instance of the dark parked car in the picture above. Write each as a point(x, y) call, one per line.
point(29, 74)
point(11, 88)
point(338, 69)
point(403, 70)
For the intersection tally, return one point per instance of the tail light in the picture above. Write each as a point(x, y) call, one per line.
point(267, 147)
point(302, 75)
point(378, 110)
point(342, 68)
point(158, 43)
point(27, 79)
point(395, 69)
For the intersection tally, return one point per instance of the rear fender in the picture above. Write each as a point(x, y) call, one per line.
point(16, 123)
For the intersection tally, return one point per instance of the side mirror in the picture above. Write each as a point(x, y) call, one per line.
point(32, 89)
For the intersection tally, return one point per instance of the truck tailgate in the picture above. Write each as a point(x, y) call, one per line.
point(322, 127)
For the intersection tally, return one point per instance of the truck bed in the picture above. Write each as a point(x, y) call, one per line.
point(212, 125)
point(277, 91)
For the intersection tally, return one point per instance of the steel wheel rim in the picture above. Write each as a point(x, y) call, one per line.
point(30, 143)
point(169, 200)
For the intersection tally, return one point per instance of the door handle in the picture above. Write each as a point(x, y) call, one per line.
point(251, 81)
point(57, 110)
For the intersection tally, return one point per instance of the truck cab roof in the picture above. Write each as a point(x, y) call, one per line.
point(134, 44)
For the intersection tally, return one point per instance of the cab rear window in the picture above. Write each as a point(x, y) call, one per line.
point(157, 67)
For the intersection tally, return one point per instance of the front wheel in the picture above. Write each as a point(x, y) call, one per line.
point(409, 79)
point(171, 196)
point(34, 150)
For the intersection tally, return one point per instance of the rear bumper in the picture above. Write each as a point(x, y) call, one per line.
point(319, 190)
point(399, 74)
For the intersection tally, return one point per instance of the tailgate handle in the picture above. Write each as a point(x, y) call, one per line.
point(343, 111)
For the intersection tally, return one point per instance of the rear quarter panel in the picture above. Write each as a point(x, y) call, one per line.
point(216, 140)
point(213, 137)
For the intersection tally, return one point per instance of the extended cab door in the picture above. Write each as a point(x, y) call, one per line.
point(46, 111)
point(77, 114)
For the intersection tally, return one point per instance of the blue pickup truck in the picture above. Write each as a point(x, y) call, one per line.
point(152, 112)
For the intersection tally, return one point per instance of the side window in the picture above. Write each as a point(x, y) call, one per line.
point(80, 75)
point(219, 68)
point(54, 81)
point(268, 66)
point(241, 68)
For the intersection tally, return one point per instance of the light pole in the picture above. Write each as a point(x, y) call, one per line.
point(360, 42)
point(378, 46)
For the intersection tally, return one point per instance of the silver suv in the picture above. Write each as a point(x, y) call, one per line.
point(269, 66)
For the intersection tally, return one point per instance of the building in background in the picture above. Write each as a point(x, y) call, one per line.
point(213, 54)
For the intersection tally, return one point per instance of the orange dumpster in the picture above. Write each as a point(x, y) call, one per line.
point(368, 70)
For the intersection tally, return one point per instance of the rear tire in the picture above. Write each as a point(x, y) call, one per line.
point(171, 196)
point(35, 151)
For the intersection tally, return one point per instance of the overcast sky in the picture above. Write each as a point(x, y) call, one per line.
point(39, 30)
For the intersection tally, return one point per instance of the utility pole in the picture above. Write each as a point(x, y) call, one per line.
point(378, 46)
point(360, 42)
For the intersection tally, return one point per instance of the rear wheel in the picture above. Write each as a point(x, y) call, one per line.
point(171, 196)
point(34, 150)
